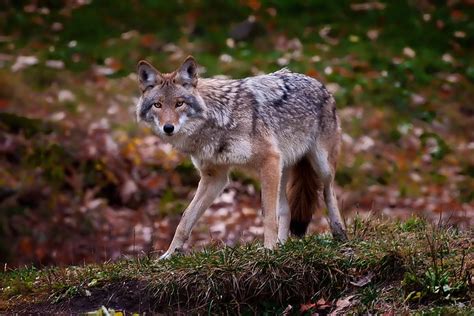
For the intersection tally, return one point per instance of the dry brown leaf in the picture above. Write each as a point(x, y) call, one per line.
point(364, 280)
point(306, 307)
point(342, 305)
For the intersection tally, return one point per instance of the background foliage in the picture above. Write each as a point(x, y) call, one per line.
point(81, 181)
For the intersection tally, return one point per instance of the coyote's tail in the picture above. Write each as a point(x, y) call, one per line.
point(303, 196)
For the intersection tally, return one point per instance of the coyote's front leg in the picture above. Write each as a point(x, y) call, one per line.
point(270, 176)
point(211, 184)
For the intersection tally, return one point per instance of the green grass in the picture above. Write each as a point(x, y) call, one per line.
point(401, 267)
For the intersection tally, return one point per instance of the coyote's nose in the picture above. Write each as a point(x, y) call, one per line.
point(168, 128)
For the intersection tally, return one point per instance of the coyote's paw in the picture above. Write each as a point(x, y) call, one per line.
point(338, 232)
point(170, 252)
point(166, 255)
point(340, 236)
point(270, 243)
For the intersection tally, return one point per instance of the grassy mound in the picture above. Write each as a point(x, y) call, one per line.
point(399, 267)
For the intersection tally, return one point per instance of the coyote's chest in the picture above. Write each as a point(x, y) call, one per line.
point(218, 151)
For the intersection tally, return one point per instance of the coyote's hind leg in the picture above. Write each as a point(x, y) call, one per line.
point(326, 170)
point(284, 215)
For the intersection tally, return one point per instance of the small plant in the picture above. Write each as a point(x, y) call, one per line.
point(412, 224)
point(18, 282)
point(104, 311)
point(368, 297)
point(434, 286)
point(438, 282)
point(67, 292)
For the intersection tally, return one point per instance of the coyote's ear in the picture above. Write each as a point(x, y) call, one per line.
point(148, 76)
point(187, 72)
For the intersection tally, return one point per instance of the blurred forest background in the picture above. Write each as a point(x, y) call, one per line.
point(81, 181)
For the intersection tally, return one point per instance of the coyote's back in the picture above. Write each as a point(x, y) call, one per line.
point(297, 109)
point(293, 110)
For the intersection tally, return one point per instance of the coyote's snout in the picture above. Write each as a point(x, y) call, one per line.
point(282, 125)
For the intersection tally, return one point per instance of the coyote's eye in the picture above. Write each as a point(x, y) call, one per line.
point(179, 103)
point(157, 105)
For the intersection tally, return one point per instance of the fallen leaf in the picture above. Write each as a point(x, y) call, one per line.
point(23, 62)
point(148, 40)
point(342, 305)
point(368, 6)
point(66, 96)
point(287, 310)
point(3, 103)
point(55, 64)
point(306, 307)
point(323, 304)
point(364, 280)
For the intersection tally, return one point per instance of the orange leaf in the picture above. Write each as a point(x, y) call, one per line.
point(148, 40)
point(306, 307)
point(25, 246)
point(3, 103)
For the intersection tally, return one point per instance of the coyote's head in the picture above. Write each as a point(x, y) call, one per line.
point(170, 103)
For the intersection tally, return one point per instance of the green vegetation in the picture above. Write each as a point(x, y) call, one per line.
point(403, 267)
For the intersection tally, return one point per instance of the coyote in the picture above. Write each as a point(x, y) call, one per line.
point(283, 126)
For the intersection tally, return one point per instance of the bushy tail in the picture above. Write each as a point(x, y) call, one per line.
point(303, 196)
